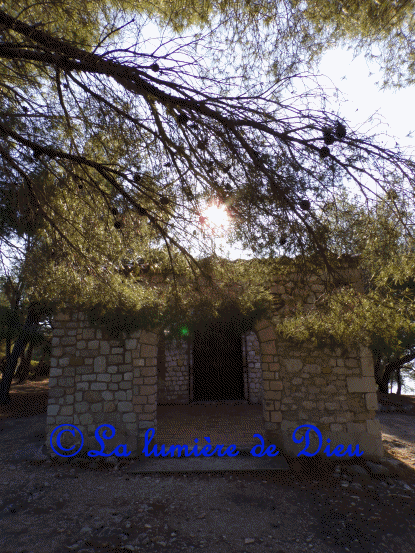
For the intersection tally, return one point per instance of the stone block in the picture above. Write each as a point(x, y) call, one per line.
point(150, 380)
point(332, 406)
point(65, 381)
point(267, 334)
point(124, 368)
point(148, 338)
point(117, 350)
point(277, 385)
point(259, 325)
point(125, 385)
point(138, 362)
point(112, 369)
point(66, 410)
point(52, 382)
point(361, 384)
point(75, 361)
point(129, 417)
point(112, 386)
point(64, 361)
point(120, 396)
point(92, 397)
point(69, 371)
point(88, 333)
point(81, 407)
point(269, 394)
point(109, 407)
point(334, 427)
point(268, 348)
point(276, 416)
point(93, 344)
point(293, 365)
point(107, 396)
point(148, 390)
point(68, 341)
point(356, 427)
point(373, 427)
point(86, 418)
point(104, 347)
point(131, 343)
point(64, 419)
point(128, 356)
point(81, 386)
point(98, 386)
point(151, 362)
point(148, 371)
point(125, 406)
point(139, 400)
point(351, 363)
point(128, 376)
point(372, 401)
point(96, 408)
point(309, 404)
point(100, 364)
point(53, 410)
point(62, 317)
point(56, 392)
point(89, 377)
point(148, 351)
point(115, 359)
point(103, 378)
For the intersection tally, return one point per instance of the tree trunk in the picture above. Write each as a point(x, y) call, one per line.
point(8, 348)
point(24, 368)
point(399, 380)
point(396, 364)
point(383, 386)
point(32, 320)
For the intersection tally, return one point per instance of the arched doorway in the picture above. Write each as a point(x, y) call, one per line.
point(218, 363)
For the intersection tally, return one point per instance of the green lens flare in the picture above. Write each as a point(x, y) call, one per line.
point(184, 331)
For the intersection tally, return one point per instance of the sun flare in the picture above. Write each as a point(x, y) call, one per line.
point(217, 216)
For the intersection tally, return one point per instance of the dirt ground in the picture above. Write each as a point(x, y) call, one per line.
point(324, 507)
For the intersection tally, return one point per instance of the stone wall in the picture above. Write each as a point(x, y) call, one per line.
point(96, 381)
point(252, 354)
point(99, 381)
point(174, 388)
point(329, 388)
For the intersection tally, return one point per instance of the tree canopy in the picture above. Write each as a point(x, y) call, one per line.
point(104, 111)
point(111, 147)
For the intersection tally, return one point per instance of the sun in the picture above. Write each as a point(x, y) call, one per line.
point(217, 216)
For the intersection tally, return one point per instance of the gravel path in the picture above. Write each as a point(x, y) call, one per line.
point(321, 507)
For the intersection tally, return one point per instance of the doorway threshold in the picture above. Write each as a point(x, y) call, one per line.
point(218, 403)
point(241, 463)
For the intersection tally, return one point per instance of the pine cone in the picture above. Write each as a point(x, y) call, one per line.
point(324, 152)
point(340, 130)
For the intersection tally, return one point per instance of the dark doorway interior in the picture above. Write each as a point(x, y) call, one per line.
point(217, 364)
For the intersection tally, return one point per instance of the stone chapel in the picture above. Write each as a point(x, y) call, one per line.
point(95, 380)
